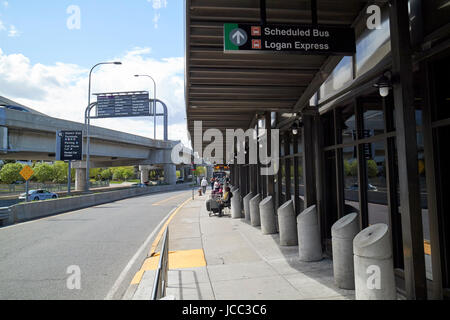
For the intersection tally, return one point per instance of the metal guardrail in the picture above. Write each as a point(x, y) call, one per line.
point(161, 278)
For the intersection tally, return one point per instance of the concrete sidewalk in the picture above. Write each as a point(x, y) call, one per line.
point(214, 258)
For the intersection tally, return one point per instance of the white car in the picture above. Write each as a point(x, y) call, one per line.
point(36, 195)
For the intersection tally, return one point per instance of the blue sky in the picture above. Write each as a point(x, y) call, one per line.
point(45, 62)
point(108, 28)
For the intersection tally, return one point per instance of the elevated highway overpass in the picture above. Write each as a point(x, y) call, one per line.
point(26, 134)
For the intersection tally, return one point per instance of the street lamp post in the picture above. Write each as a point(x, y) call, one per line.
point(154, 101)
point(87, 125)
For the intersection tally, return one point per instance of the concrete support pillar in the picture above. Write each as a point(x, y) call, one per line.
point(374, 265)
point(170, 173)
point(247, 199)
point(343, 232)
point(288, 224)
point(268, 218)
point(236, 208)
point(80, 179)
point(309, 244)
point(254, 211)
point(144, 174)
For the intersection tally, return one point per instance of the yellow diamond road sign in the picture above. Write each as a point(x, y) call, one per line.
point(26, 173)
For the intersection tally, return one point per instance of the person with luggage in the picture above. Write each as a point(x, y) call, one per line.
point(225, 201)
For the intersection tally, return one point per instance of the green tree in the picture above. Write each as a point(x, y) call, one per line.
point(117, 173)
point(107, 174)
point(44, 172)
point(60, 172)
point(128, 173)
point(10, 173)
point(372, 168)
point(354, 168)
point(347, 170)
point(201, 171)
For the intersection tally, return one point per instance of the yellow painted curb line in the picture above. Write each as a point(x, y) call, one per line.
point(161, 232)
point(153, 258)
point(177, 260)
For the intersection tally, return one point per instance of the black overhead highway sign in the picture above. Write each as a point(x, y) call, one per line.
point(69, 145)
point(123, 104)
point(303, 39)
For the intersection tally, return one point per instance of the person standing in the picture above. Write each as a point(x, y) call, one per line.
point(204, 184)
point(212, 183)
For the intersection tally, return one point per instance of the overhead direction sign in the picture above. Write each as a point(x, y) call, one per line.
point(302, 39)
point(124, 104)
point(69, 145)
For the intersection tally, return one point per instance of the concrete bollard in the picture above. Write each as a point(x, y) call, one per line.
point(342, 233)
point(308, 232)
point(288, 224)
point(236, 208)
point(254, 211)
point(374, 265)
point(247, 205)
point(268, 218)
point(233, 189)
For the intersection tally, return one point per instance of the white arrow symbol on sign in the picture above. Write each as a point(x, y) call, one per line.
point(238, 36)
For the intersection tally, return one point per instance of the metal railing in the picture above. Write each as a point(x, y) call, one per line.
point(161, 278)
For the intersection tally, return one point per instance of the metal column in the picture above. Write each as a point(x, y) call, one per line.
point(415, 281)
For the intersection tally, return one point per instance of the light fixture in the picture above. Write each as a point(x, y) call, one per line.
point(384, 84)
point(295, 127)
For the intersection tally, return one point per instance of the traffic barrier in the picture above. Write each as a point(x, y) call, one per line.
point(268, 218)
point(308, 232)
point(38, 209)
point(254, 211)
point(288, 224)
point(236, 208)
point(374, 265)
point(247, 205)
point(342, 234)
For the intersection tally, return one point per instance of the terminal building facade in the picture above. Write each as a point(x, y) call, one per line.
point(379, 118)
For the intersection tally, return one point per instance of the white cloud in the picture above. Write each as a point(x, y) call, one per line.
point(13, 32)
point(6, 4)
point(2, 26)
point(60, 90)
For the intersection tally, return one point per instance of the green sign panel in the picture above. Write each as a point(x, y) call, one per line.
point(302, 39)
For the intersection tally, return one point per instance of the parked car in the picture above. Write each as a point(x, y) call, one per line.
point(37, 195)
point(180, 180)
point(140, 185)
point(370, 187)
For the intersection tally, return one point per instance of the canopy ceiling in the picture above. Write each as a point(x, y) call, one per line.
point(226, 90)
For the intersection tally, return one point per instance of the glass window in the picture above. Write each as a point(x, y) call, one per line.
point(373, 117)
point(340, 76)
point(347, 120)
point(377, 186)
point(350, 163)
point(372, 46)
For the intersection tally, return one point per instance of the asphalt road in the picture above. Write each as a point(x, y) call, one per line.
point(106, 244)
